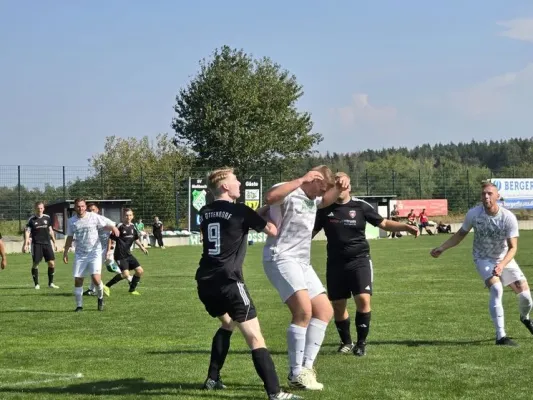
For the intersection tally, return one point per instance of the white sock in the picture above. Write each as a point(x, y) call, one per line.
point(313, 341)
point(296, 346)
point(78, 293)
point(130, 277)
point(91, 287)
point(496, 309)
point(525, 304)
point(100, 290)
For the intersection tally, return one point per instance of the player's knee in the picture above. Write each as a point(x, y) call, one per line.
point(362, 303)
point(255, 340)
point(339, 307)
point(139, 271)
point(496, 289)
point(227, 326)
point(302, 316)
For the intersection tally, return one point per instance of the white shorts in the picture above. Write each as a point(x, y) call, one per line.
point(289, 276)
point(87, 265)
point(511, 273)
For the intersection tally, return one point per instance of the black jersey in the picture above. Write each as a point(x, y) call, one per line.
point(224, 226)
point(156, 227)
point(344, 226)
point(39, 228)
point(128, 235)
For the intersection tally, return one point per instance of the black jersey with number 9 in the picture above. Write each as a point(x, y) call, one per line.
point(224, 226)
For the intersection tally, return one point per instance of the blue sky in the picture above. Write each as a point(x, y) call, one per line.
point(375, 74)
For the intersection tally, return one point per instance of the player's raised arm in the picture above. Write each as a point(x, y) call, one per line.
point(278, 193)
point(395, 226)
point(342, 183)
point(3, 254)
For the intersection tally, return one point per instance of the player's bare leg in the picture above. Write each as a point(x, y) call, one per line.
point(525, 303)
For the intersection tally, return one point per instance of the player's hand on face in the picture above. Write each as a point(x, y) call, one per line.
point(436, 252)
point(343, 183)
point(312, 176)
point(498, 269)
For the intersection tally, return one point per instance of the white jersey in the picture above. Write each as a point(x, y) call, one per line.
point(490, 232)
point(295, 219)
point(86, 232)
point(103, 234)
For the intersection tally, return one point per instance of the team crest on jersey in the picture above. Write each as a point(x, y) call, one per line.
point(352, 213)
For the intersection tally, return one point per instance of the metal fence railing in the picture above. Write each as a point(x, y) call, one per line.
point(166, 195)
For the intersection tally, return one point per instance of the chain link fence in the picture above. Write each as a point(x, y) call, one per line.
point(166, 195)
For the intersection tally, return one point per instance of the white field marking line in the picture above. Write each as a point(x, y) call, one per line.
point(34, 382)
point(57, 377)
point(26, 371)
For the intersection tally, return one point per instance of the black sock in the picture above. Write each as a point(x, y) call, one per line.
point(134, 282)
point(362, 324)
point(50, 275)
point(343, 327)
point(116, 279)
point(35, 275)
point(266, 370)
point(219, 351)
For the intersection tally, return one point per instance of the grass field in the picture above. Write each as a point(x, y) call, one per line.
point(431, 336)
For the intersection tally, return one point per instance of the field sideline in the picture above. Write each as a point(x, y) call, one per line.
point(431, 336)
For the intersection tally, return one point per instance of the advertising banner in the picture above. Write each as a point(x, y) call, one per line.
point(251, 195)
point(199, 196)
point(433, 206)
point(514, 188)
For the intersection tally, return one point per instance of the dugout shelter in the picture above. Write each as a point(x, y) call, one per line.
point(61, 211)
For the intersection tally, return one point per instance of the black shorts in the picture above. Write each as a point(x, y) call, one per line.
point(347, 279)
point(231, 297)
point(128, 263)
point(40, 251)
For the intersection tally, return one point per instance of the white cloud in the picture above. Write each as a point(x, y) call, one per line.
point(520, 29)
point(497, 95)
point(360, 111)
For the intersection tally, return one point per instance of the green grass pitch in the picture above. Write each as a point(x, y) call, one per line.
point(431, 336)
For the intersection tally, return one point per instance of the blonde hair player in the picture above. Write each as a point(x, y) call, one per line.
point(224, 225)
point(287, 264)
point(494, 249)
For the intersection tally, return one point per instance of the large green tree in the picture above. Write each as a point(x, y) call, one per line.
point(241, 111)
point(146, 171)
